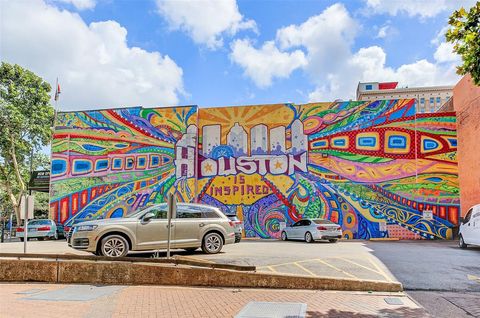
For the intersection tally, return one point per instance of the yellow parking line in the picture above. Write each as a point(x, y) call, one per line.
point(380, 270)
point(360, 265)
point(335, 268)
point(305, 269)
point(272, 269)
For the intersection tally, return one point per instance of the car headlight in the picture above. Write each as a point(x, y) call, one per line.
point(83, 228)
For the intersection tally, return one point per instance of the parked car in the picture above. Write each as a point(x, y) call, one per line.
point(60, 230)
point(469, 233)
point(312, 230)
point(39, 229)
point(196, 225)
point(238, 227)
point(67, 227)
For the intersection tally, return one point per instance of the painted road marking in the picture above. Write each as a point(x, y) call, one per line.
point(359, 265)
point(335, 268)
point(272, 269)
point(305, 269)
point(380, 270)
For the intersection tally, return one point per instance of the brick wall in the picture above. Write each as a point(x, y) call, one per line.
point(466, 102)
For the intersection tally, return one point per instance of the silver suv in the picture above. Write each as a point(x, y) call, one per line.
point(196, 225)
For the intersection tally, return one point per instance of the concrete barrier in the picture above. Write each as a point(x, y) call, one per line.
point(137, 273)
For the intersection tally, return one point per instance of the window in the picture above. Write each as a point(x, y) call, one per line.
point(209, 213)
point(188, 212)
point(431, 100)
point(299, 223)
point(195, 212)
point(438, 100)
point(422, 100)
point(160, 212)
point(305, 222)
point(468, 216)
point(368, 87)
point(318, 221)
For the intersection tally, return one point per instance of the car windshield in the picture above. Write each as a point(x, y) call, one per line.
point(136, 214)
point(39, 222)
point(318, 221)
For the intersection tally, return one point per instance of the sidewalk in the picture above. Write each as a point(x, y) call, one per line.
point(44, 300)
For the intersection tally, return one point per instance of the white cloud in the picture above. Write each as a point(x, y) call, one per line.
point(327, 38)
point(205, 21)
point(422, 8)
point(444, 53)
point(382, 32)
point(80, 4)
point(95, 66)
point(266, 63)
point(333, 67)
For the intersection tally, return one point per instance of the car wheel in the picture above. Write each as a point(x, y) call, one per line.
point(190, 249)
point(461, 242)
point(284, 236)
point(40, 238)
point(333, 241)
point(212, 243)
point(308, 237)
point(114, 246)
point(22, 239)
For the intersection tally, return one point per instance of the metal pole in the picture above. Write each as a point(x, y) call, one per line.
point(171, 214)
point(25, 229)
point(10, 227)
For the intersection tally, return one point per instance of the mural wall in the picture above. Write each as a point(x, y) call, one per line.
point(376, 168)
point(109, 163)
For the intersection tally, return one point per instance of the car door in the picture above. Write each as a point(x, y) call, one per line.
point(295, 229)
point(187, 225)
point(303, 228)
point(476, 225)
point(467, 227)
point(153, 234)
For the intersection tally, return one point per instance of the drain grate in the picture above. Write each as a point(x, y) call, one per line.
point(75, 293)
point(393, 301)
point(272, 310)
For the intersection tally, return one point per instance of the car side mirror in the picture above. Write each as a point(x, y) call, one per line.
point(148, 216)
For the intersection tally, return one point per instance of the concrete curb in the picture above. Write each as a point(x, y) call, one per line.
point(137, 273)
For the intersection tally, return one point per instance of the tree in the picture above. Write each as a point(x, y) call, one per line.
point(26, 118)
point(464, 33)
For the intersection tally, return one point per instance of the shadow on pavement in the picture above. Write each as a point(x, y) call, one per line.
point(398, 312)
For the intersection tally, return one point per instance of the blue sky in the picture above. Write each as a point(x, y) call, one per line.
point(216, 53)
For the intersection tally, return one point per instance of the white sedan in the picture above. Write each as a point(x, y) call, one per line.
point(311, 230)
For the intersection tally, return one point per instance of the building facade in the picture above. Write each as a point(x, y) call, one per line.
point(466, 103)
point(430, 99)
point(376, 168)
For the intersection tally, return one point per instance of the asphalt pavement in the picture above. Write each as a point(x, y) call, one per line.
point(437, 274)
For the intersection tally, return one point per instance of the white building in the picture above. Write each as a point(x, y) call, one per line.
point(237, 138)
point(185, 150)
point(277, 139)
point(259, 139)
point(211, 138)
point(429, 98)
point(299, 139)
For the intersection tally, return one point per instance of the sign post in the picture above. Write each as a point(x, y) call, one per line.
point(172, 213)
point(26, 213)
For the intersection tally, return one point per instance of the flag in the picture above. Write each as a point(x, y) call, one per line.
point(57, 91)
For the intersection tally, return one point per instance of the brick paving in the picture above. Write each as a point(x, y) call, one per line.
point(160, 301)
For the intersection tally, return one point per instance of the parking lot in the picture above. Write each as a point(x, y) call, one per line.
point(345, 259)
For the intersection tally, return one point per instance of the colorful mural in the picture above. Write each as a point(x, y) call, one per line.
point(108, 163)
point(376, 168)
